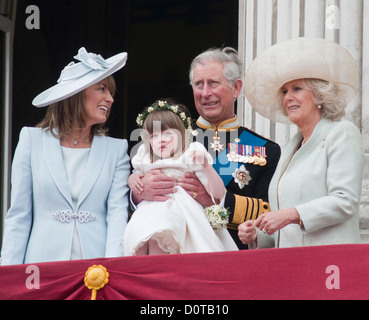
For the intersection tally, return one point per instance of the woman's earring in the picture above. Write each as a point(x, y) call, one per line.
point(319, 106)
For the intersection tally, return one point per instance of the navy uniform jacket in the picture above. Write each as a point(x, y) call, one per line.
point(247, 184)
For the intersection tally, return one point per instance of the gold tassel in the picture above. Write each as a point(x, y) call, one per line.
point(96, 277)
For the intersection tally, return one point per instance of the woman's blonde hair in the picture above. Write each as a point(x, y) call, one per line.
point(326, 94)
point(65, 114)
point(167, 120)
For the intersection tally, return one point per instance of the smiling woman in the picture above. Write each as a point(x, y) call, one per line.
point(98, 101)
point(315, 191)
point(301, 108)
point(69, 180)
point(80, 117)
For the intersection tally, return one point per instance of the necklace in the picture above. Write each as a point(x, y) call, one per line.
point(75, 141)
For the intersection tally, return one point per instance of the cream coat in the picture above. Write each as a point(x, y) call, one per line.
point(323, 181)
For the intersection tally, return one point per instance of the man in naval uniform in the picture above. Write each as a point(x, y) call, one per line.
point(244, 160)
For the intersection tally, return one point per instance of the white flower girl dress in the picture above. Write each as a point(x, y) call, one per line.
point(179, 224)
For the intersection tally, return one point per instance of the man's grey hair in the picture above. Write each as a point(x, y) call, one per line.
point(228, 56)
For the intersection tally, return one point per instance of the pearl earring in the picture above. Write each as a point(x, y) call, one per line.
point(319, 106)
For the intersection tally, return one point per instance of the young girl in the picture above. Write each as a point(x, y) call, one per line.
point(178, 225)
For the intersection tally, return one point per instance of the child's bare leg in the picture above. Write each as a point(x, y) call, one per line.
point(154, 248)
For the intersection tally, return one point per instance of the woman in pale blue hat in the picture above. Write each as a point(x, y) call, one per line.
point(315, 192)
point(69, 194)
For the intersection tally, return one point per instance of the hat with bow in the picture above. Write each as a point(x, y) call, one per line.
point(76, 77)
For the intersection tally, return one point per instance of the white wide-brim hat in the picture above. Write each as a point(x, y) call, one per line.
point(300, 58)
point(76, 77)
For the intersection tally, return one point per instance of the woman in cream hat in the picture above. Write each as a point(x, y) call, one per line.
point(69, 192)
point(315, 192)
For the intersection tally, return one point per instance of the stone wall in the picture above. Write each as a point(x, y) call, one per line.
point(263, 23)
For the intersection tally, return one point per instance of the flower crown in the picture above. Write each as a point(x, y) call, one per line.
point(160, 106)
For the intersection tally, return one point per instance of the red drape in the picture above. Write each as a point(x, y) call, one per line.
point(295, 273)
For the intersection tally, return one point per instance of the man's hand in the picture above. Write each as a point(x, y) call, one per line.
point(247, 232)
point(156, 187)
point(192, 185)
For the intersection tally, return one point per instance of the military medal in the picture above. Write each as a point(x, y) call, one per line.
point(232, 154)
point(251, 159)
point(232, 157)
point(241, 176)
point(246, 159)
point(216, 146)
point(257, 155)
point(247, 154)
point(260, 152)
point(263, 162)
point(242, 159)
point(257, 160)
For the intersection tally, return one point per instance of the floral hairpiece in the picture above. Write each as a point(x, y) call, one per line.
point(163, 105)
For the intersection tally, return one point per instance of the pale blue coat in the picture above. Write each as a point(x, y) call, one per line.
point(39, 224)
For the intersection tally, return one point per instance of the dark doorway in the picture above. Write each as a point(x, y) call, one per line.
point(160, 36)
point(2, 111)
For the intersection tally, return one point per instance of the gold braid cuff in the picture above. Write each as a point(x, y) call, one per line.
point(247, 208)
